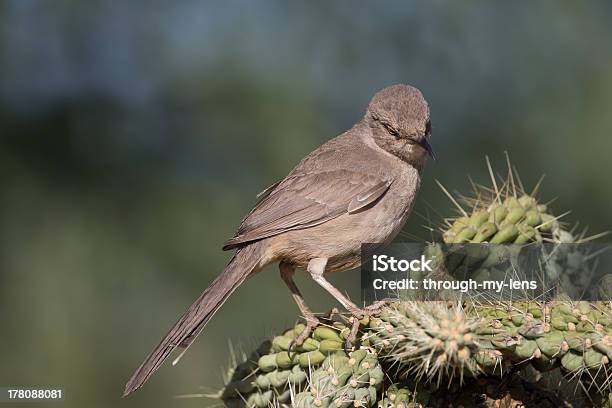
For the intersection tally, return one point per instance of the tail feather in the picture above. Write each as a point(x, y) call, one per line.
point(191, 323)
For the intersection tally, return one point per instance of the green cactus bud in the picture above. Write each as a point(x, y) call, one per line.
point(604, 345)
point(341, 376)
point(344, 398)
point(310, 344)
point(326, 333)
point(485, 231)
point(478, 218)
point(460, 223)
point(262, 381)
point(507, 234)
point(533, 218)
point(304, 400)
point(514, 216)
point(330, 346)
point(281, 343)
point(526, 349)
point(295, 331)
point(488, 359)
point(359, 379)
point(572, 361)
point(466, 234)
point(577, 341)
point(364, 398)
point(336, 360)
point(498, 215)
point(284, 360)
point(298, 329)
point(526, 234)
point(311, 358)
point(549, 223)
point(356, 357)
point(533, 329)
point(261, 400)
point(512, 202)
point(528, 202)
point(594, 359)
point(297, 375)
point(551, 345)
point(377, 376)
point(267, 363)
point(279, 378)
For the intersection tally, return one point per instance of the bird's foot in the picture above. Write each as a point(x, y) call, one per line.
point(377, 306)
point(360, 314)
point(370, 310)
point(329, 317)
point(311, 323)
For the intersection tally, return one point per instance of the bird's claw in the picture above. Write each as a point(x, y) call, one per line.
point(311, 323)
point(360, 314)
point(377, 306)
point(351, 339)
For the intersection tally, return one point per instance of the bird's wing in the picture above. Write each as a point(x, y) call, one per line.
point(263, 194)
point(306, 199)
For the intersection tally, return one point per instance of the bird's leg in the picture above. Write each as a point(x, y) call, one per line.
point(287, 271)
point(316, 268)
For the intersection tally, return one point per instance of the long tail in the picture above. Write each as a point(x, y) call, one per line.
point(186, 329)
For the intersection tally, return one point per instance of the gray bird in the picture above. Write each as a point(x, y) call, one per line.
point(358, 187)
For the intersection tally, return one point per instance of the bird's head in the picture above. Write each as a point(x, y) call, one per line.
point(399, 118)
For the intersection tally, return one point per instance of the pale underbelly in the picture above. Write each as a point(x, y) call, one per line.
point(340, 240)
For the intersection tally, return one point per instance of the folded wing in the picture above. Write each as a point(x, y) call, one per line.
point(304, 200)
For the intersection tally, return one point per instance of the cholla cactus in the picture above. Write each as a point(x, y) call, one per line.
point(420, 354)
point(504, 213)
point(344, 381)
point(275, 370)
point(506, 216)
point(431, 341)
point(426, 340)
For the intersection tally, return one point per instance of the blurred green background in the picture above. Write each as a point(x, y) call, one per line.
point(134, 136)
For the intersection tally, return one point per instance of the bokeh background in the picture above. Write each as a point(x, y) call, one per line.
point(134, 136)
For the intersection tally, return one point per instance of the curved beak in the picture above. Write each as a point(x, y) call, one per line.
point(424, 143)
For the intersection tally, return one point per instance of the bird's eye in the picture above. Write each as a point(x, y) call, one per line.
point(428, 127)
point(391, 129)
